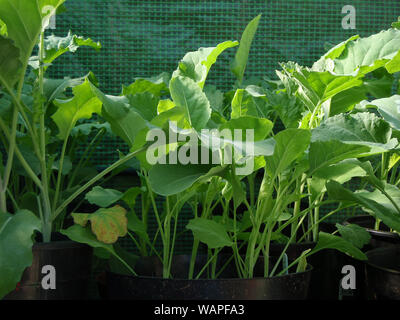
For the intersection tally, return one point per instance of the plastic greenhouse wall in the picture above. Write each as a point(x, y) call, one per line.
point(144, 38)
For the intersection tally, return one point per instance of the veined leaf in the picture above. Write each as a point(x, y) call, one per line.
point(325, 153)
point(189, 96)
point(25, 20)
point(196, 65)
point(239, 63)
point(367, 200)
point(360, 128)
point(10, 65)
point(169, 179)
point(365, 55)
point(117, 112)
point(355, 234)
point(329, 241)
point(248, 102)
point(389, 108)
point(103, 197)
point(15, 247)
point(158, 85)
point(55, 46)
point(107, 224)
point(290, 145)
point(81, 106)
point(261, 127)
point(213, 234)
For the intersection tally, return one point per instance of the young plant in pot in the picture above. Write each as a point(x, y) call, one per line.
point(40, 130)
point(252, 231)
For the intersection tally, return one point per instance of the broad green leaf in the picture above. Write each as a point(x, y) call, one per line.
point(107, 224)
point(117, 112)
point(55, 46)
point(315, 88)
point(239, 63)
point(247, 102)
point(360, 128)
point(389, 108)
point(242, 105)
point(355, 234)
point(290, 145)
point(380, 86)
point(216, 98)
point(325, 63)
point(261, 127)
point(157, 85)
point(368, 201)
point(10, 65)
point(84, 235)
point(145, 104)
point(365, 55)
point(346, 100)
point(329, 241)
point(25, 19)
point(213, 234)
point(16, 242)
point(196, 65)
point(188, 95)
point(54, 88)
point(342, 171)
point(326, 153)
point(81, 106)
point(169, 179)
point(103, 197)
point(165, 105)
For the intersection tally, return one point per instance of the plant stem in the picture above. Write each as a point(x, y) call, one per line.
point(97, 178)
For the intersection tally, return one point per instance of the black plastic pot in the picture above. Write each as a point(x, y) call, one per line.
point(72, 263)
point(379, 238)
point(383, 273)
point(150, 285)
point(327, 265)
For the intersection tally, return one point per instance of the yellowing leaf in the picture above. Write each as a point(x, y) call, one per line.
point(107, 224)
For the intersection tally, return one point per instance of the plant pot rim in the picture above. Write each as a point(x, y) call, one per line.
point(379, 233)
point(57, 245)
point(374, 265)
point(309, 269)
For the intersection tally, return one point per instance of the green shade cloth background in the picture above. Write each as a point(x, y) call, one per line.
point(144, 38)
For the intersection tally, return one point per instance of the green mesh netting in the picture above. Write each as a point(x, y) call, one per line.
point(145, 38)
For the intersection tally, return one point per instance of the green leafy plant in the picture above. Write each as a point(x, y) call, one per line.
point(41, 128)
point(296, 164)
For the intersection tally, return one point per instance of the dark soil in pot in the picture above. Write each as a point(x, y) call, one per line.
point(150, 286)
point(72, 263)
point(379, 238)
point(383, 273)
